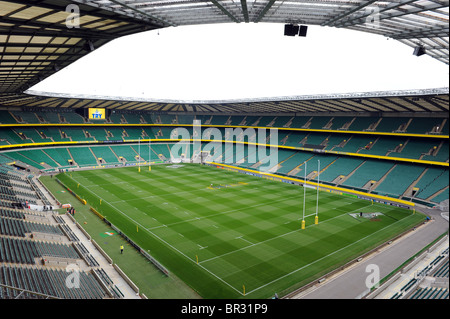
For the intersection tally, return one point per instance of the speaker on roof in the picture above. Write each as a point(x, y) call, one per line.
point(291, 30)
point(419, 50)
point(302, 30)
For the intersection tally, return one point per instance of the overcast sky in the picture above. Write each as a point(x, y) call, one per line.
point(239, 61)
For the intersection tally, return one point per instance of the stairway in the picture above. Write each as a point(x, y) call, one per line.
point(382, 179)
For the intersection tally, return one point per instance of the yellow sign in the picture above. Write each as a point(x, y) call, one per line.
point(97, 114)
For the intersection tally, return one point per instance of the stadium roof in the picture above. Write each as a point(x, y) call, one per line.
point(411, 101)
point(39, 37)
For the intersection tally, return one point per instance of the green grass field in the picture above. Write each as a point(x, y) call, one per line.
point(245, 231)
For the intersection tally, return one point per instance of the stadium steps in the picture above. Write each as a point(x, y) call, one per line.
point(343, 143)
point(339, 181)
point(276, 167)
point(410, 189)
point(284, 139)
point(372, 127)
point(117, 156)
point(289, 122)
point(433, 152)
point(399, 148)
point(308, 123)
point(348, 124)
point(96, 158)
point(298, 167)
point(26, 160)
point(271, 123)
point(382, 179)
point(437, 193)
point(71, 158)
point(313, 175)
point(404, 127)
point(369, 145)
point(16, 117)
point(441, 126)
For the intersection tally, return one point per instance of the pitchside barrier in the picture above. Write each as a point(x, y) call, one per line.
point(328, 188)
point(83, 201)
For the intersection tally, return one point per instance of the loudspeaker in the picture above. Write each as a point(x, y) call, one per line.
point(291, 30)
point(418, 51)
point(302, 31)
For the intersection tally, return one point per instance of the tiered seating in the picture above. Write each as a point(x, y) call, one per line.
point(399, 179)
point(391, 124)
point(83, 156)
point(36, 265)
point(76, 134)
point(441, 197)
point(72, 117)
point(115, 133)
point(442, 272)
point(370, 170)
point(134, 133)
point(430, 293)
point(105, 153)
point(27, 117)
point(36, 155)
point(293, 161)
point(380, 145)
point(19, 228)
point(33, 135)
point(6, 118)
point(354, 143)
point(11, 136)
point(362, 123)
point(50, 117)
point(98, 133)
point(338, 122)
point(422, 125)
point(50, 282)
point(414, 149)
point(441, 156)
point(20, 157)
point(60, 155)
point(54, 134)
point(132, 118)
point(434, 180)
point(24, 251)
point(342, 166)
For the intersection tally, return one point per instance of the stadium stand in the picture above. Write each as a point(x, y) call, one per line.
point(340, 166)
point(393, 143)
point(37, 246)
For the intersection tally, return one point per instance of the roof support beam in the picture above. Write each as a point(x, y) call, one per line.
point(142, 13)
point(422, 33)
point(341, 16)
point(399, 13)
point(218, 5)
point(264, 11)
point(245, 10)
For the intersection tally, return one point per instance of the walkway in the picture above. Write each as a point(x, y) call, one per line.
point(351, 283)
point(118, 280)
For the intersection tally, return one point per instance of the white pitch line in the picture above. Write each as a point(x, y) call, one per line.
point(221, 213)
point(282, 235)
point(219, 278)
point(166, 243)
point(248, 241)
point(330, 254)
